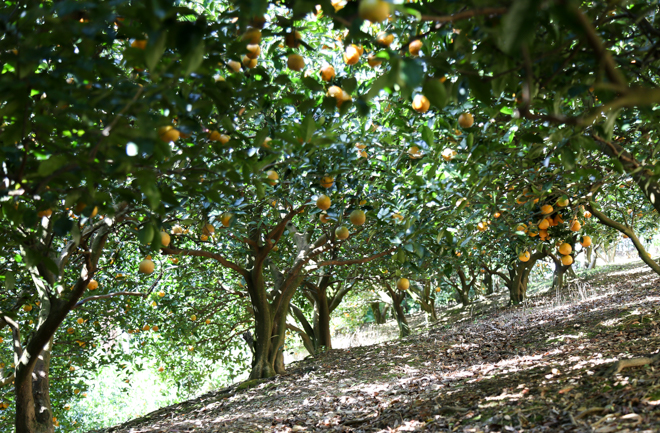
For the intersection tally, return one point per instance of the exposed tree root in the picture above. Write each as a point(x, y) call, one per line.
point(634, 362)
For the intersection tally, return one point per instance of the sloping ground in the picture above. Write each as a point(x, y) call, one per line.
point(542, 368)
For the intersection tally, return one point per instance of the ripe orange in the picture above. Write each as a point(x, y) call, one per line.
point(403, 284)
point(252, 36)
point(146, 266)
point(249, 63)
point(575, 226)
point(414, 152)
point(272, 177)
point(337, 93)
point(234, 65)
point(587, 214)
point(374, 10)
point(448, 154)
point(168, 133)
point(524, 257)
point(225, 220)
point(566, 260)
point(465, 120)
point(292, 39)
point(323, 202)
point(295, 62)
point(327, 72)
point(497, 215)
point(140, 44)
point(385, 39)
point(544, 224)
point(562, 201)
point(341, 233)
point(253, 51)
point(586, 241)
point(164, 239)
point(565, 249)
point(45, 213)
point(357, 217)
point(92, 285)
point(421, 104)
point(373, 61)
point(327, 181)
point(414, 47)
point(208, 229)
point(324, 217)
point(546, 209)
point(352, 54)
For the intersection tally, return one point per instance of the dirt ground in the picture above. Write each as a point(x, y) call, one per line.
point(543, 367)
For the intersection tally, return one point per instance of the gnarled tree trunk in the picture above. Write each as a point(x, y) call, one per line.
point(397, 300)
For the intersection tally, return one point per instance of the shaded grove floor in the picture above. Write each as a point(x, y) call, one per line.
point(538, 368)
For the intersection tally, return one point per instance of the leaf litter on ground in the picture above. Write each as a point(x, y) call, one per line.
point(547, 366)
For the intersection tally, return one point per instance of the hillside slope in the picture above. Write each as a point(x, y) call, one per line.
point(543, 368)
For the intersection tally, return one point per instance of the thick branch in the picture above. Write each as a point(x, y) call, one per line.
point(604, 219)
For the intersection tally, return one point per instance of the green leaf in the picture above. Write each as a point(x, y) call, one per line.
point(10, 281)
point(412, 73)
point(146, 234)
point(567, 158)
point(349, 84)
point(308, 128)
point(155, 51)
point(75, 234)
point(194, 58)
point(312, 84)
point(52, 164)
point(518, 25)
point(427, 135)
point(435, 91)
point(480, 89)
point(62, 226)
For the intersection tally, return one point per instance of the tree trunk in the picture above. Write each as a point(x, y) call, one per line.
point(263, 327)
point(380, 316)
point(488, 282)
point(558, 276)
point(397, 300)
point(404, 328)
point(323, 318)
point(463, 296)
point(518, 284)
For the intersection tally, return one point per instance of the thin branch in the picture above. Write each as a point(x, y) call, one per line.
point(16, 336)
point(198, 253)
point(354, 261)
point(108, 296)
point(108, 129)
point(604, 56)
point(464, 15)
